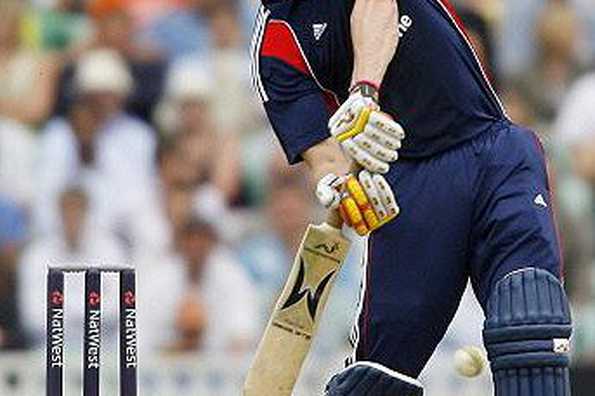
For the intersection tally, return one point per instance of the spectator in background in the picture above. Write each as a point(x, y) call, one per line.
point(247, 10)
point(177, 178)
point(575, 133)
point(236, 109)
point(575, 126)
point(161, 216)
point(517, 49)
point(59, 27)
point(18, 153)
point(586, 11)
point(27, 82)
point(27, 78)
point(268, 253)
point(175, 198)
point(145, 12)
point(78, 242)
point(97, 145)
point(13, 235)
point(480, 34)
point(186, 115)
point(556, 64)
point(184, 31)
point(518, 107)
point(205, 299)
point(114, 30)
point(517, 46)
point(173, 170)
point(164, 213)
point(186, 300)
point(575, 130)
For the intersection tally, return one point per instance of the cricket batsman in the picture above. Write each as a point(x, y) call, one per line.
point(370, 81)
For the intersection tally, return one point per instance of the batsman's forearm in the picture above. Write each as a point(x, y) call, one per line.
point(374, 32)
point(324, 158)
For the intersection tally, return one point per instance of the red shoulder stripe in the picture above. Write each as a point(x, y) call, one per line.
point(279, 42)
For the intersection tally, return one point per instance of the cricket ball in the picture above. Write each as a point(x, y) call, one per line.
point(469, 361)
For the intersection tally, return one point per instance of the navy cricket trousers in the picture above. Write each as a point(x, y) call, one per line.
point(479, 210)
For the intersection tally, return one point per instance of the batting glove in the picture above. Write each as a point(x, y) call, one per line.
point(371, 137)
point(365, 202)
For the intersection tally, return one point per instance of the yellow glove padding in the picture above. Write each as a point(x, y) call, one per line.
point(369, 136)
point(368, 203)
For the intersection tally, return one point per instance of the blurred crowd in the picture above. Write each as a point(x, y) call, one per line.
point(129, 133)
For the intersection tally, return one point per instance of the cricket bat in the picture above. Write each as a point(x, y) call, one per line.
point(295, 319)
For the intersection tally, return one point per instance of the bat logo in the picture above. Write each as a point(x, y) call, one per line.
point(328, 249)
point(313, 296)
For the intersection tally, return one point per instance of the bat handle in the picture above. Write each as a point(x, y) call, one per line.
point(334, 219)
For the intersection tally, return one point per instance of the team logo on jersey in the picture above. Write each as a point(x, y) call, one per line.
point(299, 291)
point(540, 201)
point(319, 29)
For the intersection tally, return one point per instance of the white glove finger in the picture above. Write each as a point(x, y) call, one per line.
point(376, 149)
point(327, 191)
point(386, 195)
point(365, 178)
point(383, 138)
point(387, 124)
point(365, 159)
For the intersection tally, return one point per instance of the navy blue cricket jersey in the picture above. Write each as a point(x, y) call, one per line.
point(435, 85)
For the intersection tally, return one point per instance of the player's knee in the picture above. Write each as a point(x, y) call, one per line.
point(372, 379)
point(528, 326)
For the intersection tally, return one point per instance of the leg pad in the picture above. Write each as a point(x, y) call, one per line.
point(527, 332)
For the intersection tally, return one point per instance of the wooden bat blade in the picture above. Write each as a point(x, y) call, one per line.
point(294, 321)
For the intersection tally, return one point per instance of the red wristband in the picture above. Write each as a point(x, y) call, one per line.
point(365, 82)
point(366, 89)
